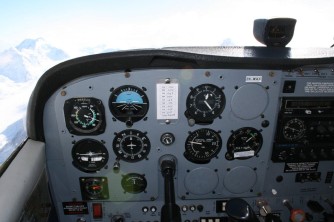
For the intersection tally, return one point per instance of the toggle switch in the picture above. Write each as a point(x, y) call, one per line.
point(97, 211)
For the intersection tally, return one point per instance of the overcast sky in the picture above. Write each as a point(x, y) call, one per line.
point(127, 24)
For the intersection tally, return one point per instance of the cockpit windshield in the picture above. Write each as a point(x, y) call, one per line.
point(35, 35)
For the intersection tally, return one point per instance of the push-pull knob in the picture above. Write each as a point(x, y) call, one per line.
point(296, 215)
point(239, 210)
point(265, 211)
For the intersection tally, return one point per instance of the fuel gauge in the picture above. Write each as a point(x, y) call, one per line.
point(134, 183)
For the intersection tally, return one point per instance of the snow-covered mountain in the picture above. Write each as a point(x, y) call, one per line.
point(29, 60)
point(20, 68)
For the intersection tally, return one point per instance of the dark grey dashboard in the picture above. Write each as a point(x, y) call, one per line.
point(254, 124)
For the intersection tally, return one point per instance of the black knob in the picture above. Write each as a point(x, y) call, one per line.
point(240, 210)
point(315, 206)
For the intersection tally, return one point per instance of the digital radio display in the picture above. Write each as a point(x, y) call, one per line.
point(309, 104)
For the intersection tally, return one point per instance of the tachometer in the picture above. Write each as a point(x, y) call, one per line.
point(128, 104)
point(202, 145)
point(205, 103)
point(89, 155)
point(84, 116)
point(94, 188)
point(131, 145)
point(244, 143)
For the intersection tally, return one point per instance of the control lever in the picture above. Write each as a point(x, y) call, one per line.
point(170, 211)
point(296, 215)
point(239, 210)
point(265, 211)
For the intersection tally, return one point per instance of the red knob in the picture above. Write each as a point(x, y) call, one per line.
point(297, 215)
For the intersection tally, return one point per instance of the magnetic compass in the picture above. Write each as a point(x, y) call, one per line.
point(131, 145)
point(244, 143)
point(84, 116)
point(202, 145)
point(89, 155)
point(128, 104)
point(205, 103)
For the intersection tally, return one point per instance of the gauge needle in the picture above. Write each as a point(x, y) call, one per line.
point(293, 129)
point(90, 117)
point(207, 104)
point(192, 142)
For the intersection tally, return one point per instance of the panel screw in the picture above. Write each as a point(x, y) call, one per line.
point(271, 74)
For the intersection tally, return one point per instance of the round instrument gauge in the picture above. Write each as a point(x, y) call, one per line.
point(94, 188)
point(205, 103)
point(244, 143)
point(89, 155)
point(131, 145)
point(84, 116)
point(294, 129)
point(128, 104)
point(134, 183)
point(202, 145)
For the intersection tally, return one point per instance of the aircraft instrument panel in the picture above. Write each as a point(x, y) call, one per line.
point(192, 141)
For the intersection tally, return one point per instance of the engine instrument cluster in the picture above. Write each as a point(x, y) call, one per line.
point(263, 136)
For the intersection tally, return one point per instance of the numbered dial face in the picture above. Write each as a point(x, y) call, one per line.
point(205, 103)
point(134, 183)
point(84, 116)
point(93, 188)
point(244, 143)
point(128, 104)
point(294, 129)
point(89, 155)
point(131, 145)
point(202, 145)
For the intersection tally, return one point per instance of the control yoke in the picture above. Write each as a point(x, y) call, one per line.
point(170, 211)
